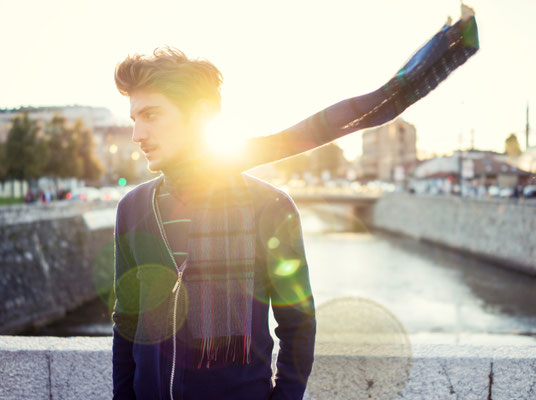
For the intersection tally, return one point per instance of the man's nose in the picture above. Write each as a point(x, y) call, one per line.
point(139, 134)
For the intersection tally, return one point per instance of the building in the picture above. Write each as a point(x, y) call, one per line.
point(476, 168)
point(92, 117)
point(526, 160)
point(389, 151)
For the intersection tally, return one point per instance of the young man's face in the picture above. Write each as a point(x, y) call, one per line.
point(162, 131)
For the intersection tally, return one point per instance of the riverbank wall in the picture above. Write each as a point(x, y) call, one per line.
point(53, 258)
point(498, 230)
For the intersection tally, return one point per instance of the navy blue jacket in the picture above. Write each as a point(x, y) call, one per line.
point(142, 355)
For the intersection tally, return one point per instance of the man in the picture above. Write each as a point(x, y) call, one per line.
point(203, 249)
point(171, 98)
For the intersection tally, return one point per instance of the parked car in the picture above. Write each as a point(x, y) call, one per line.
point(297, 183)
point(506, 192)
point(342, 183)
point(110, 193)
point(529, 191)
point(356, 186)
point(494, 191)
point(87, 193)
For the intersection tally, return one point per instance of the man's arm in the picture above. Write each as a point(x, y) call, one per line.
point(431, 64)
point(124, 316)
point(292, 303)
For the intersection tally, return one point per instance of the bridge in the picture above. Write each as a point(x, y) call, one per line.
point(333, 195)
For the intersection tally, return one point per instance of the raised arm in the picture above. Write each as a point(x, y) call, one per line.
point(449, 48)
point(431, 64)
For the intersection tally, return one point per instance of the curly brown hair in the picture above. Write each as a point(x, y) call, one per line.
point(170, 72)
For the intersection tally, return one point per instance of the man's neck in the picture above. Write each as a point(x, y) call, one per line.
point(185, 177)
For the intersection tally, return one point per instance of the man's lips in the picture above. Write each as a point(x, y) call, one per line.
point(148, 149)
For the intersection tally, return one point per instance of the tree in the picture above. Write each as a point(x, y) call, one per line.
point(91, 167)
point(126, 168)
point(328, 157)
point(3, 163)
point(511, 146)
point(294, 164)
point(24, 150)
point(63, 145)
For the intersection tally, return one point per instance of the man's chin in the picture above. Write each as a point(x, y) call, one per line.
point(154, 166)
point(168, 165)
point(159, 166)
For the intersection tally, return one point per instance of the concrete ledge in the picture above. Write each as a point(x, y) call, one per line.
point(81, 368)
point(55, 368)
point(27, 213)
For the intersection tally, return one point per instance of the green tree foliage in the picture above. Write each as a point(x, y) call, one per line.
point(3, 163)
point(25, 153)
point(91, 167)
point(328, 157)
point(60, 152)
point(511, 146)
point(295, 164)
point(63, 144)
point(126, 168)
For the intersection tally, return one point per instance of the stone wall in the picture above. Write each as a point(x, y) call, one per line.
point(53, 258)
point(81, 368)
point(25, 213)
point(499, 230)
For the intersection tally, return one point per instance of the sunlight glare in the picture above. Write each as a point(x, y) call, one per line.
point(224, 136)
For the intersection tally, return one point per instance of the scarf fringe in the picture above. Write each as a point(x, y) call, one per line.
point(227, 348)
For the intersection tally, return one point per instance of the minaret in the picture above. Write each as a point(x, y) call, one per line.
point(527, 129)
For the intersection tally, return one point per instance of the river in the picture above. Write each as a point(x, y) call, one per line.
point(433, 294)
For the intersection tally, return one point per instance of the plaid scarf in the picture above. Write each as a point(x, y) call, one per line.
point(221, 240)
point(219, 265)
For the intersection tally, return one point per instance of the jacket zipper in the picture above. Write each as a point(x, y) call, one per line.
point(176, 287)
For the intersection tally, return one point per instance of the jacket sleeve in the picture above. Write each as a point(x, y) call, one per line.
point(124, 316)
point(430, 65)
point(292, 303)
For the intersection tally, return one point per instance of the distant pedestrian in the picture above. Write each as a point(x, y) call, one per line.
point(30, 197)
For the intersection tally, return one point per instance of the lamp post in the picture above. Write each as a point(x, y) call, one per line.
point(112, 149)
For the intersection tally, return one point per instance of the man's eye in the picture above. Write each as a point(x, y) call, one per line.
point(151, 115)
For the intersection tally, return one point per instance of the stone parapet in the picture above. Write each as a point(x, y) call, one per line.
point(81, 368)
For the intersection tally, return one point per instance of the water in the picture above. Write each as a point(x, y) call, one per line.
point(435, 294)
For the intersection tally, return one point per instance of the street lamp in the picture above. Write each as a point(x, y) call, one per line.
point(112, 149)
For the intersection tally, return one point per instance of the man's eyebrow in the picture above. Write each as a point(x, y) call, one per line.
point(144, 109)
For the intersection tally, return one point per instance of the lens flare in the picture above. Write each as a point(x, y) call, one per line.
point(287, 267)
point(225, 137)
point(273, 243)
point(374, 345)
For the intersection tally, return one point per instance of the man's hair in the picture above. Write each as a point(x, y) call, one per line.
point(170, 72)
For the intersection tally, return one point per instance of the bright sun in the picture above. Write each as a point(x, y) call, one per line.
point(224, 136)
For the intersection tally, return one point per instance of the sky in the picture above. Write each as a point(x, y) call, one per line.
point(281, 60)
